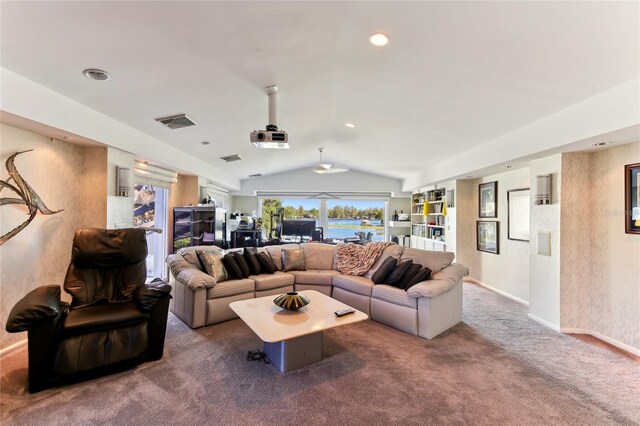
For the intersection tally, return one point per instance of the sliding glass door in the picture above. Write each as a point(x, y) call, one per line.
point(150, 212)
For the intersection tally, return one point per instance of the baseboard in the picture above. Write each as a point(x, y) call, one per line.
point(543, 322)
point(609, 340)
point(495, 290)
point(13, 348)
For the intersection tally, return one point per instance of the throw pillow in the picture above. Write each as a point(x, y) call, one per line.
point(395, 277)
point(293, 260)
point(268, 265)
point(212, 263)
point(422, 275)
point(251, 258)
point(384, 270)
point(233, 268)
point(409, 274)
point(242, 262)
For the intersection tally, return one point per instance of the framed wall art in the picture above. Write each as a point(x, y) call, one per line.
point(519, 203)
point(488, 199)
point(488, 236)
point(632, 198)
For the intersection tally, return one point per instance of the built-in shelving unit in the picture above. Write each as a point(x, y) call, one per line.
point(428, 220)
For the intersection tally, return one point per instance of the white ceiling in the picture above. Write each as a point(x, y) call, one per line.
point(454, 75)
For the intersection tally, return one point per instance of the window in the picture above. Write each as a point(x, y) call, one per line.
point(340, 219)
point(362, 219)
point(150, 211)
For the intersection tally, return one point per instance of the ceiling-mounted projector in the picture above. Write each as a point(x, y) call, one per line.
point(271, 137)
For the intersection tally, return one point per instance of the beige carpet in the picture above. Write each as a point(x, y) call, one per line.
point(497, 367)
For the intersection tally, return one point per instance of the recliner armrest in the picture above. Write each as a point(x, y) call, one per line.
point(442, 282)
point(41, 304)
point(147, 295)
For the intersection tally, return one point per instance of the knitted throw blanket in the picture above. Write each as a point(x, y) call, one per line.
point(356, 259)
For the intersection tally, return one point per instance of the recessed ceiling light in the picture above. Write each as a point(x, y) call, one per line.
point(379, 39)
point(601, 143)
point(350, 125)
point(96, 74)
point(205, 143)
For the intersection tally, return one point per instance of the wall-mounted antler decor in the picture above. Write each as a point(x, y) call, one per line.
point(28, 197)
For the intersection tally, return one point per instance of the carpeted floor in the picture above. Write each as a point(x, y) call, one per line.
point(497, 367)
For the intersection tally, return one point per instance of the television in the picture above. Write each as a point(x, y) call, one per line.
point(299, 228)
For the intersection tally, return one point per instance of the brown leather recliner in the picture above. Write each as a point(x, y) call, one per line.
point(114, 321)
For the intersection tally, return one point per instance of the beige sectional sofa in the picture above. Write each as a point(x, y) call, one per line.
point(426, 309)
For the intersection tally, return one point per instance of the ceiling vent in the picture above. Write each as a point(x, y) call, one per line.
point(176, 121)
point(255, 175)
point(230, 158)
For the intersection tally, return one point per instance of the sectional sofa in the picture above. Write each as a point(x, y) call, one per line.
point(426, 309)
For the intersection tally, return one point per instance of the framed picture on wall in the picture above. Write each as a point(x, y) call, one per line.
point(632, 198)
point(488, 236)
point(518, 202)
point(488, 199)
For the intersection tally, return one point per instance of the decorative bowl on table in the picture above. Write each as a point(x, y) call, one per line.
point(291, 301)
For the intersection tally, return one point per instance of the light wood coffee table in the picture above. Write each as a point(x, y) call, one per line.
point(293, 339)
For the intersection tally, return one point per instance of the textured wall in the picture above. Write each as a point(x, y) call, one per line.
point(600, 269)
point(509, 270)
point(66, 176)
point(544, 271)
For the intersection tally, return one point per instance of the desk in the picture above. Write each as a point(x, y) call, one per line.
point(241, 238)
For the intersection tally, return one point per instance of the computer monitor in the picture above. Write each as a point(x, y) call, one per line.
point(298, 228)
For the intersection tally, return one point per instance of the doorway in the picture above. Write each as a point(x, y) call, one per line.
point(150, 211)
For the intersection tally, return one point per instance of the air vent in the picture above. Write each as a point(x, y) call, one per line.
point(176, 121)
point(230, 158)
point(256, 175)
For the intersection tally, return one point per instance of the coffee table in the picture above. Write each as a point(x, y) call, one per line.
point(293, 339)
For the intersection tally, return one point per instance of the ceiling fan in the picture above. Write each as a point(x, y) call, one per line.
point(328, 167)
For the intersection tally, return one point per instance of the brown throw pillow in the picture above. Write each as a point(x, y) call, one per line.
point(422, 275)
point(409, 273)
point(242, 262)
point(252, 260)
point(293, 260)
point(212, 262)
point(384, 270)
point(233, 268)
point(268, 265)
point(395, 277)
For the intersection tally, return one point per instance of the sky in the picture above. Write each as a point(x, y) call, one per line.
point(309, 204)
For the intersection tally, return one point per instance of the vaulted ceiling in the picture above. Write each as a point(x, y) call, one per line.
point(454, 75)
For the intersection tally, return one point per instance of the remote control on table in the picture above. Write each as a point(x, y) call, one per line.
point(343, 312)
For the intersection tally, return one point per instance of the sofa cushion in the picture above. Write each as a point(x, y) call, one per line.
point(354, 284)
point(213, 264)
point(384, 270)
point(394, 295)
point(395, 277)
point(268, 266)
point(269, 281)
point(190, 254)
point(231, 288)
point(409, 274)
point(233, 267)
point(422, 275)
point(319, 277)
point(276, 252)
point(392, 250)
point(250, 255)
point(319, 256)
point(434, 260)
point(244, 265)
point(293, 260)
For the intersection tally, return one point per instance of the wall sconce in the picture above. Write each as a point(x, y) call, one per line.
point(543, 190)
point(123, 182)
